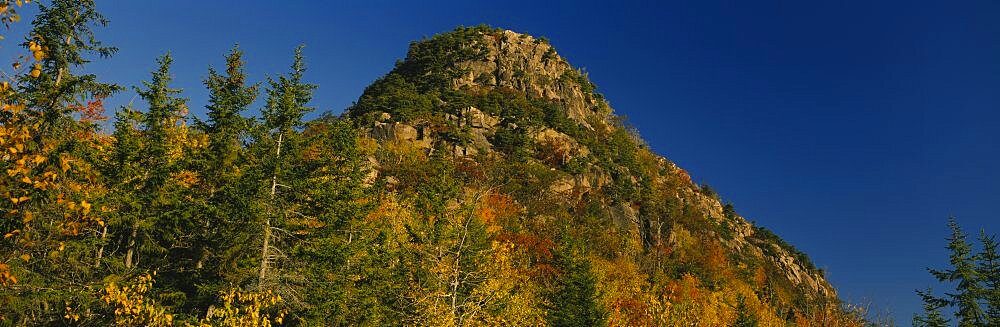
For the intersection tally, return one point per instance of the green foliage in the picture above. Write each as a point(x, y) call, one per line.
point(574, 301)
point(932, 316)
point(766, 235)
point(974, 278)
point(579, 78)
point(64, 30)
point(287, 97)
point(963, 272)
point(228, 97)
point(430, 64)
point(989, 272)
point(708, 191)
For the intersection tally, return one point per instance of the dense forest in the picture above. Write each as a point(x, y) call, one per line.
point(483, 181)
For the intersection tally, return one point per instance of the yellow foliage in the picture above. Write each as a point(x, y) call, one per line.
point(132, 307)
point(186, 178)
point(6, 278)
point(622, 290)
point(246, 309)
point(508, 296)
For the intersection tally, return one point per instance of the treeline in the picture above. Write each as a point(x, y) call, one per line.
point(975, 278)
point(170, 218)
point(236, 220)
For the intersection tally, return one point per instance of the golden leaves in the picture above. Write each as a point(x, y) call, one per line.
point(36, 51)
point(247, 309)
point(6, 278)
point(132, 307)
point(84, 207)
point(64, 163)
point(12, 233)
point(186, 178)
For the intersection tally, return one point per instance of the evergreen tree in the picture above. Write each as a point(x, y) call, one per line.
point(989, 272)
point(229, 96)
point(574, 302)
point(163, 113)
point(335, 242)
point(225, 243)
point(287, 98)
point(932, 316)
point(63, 29)
point(963, 273)
point(123, 172)
point(285, 107)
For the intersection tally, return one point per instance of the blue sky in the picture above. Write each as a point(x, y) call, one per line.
point(851, 128)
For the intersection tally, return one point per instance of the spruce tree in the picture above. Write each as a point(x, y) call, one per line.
point(574, 302)
point(160, 221)
point(123, 173)
point(63, 29)
point(336, 243)
point(989, 272)
point(229, 96)
point(285, 107)
point(224, 243)
point(932, 316)
point(963, 272)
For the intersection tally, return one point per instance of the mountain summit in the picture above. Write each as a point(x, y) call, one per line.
point(520, 126)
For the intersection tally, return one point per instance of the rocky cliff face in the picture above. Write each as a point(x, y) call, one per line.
point(496, 95)
point(532, 66)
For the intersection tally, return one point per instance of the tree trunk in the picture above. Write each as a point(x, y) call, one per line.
point(131, 246)
point(100, 251)
point(264, 262)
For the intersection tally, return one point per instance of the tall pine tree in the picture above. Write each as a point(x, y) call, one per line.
point(64, 30)
point(963, 272)
point(286, 105)
point(989, 273)
point(224, 244)
point(574, 302)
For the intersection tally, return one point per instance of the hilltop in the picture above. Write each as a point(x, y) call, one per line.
point(534, 130)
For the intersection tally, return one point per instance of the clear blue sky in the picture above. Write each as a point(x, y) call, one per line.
point(851, 128)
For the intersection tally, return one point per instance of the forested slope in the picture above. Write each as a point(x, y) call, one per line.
point(483, 181)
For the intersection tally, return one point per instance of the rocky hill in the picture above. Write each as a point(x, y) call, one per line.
point(526, 125)
point(482, 182)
